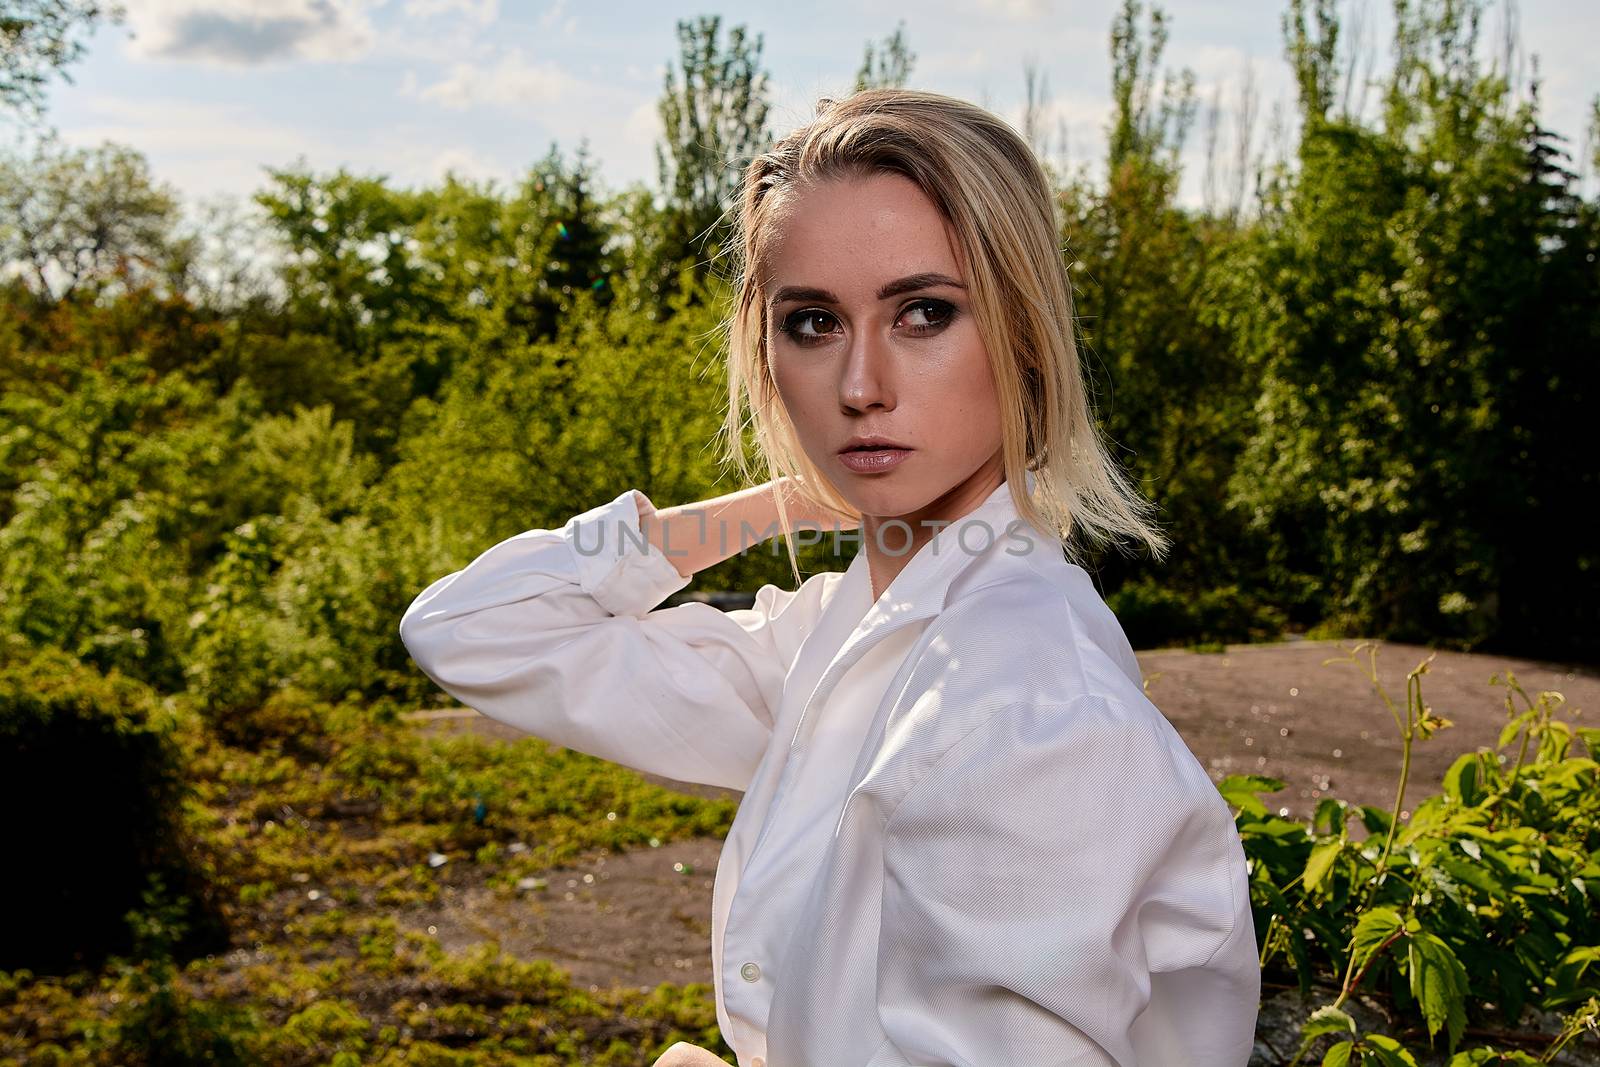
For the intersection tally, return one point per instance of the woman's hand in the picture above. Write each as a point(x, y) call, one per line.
point(684, 1054)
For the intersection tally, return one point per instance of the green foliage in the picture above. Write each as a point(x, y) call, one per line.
point(327, 840)
point(156, 1019)
point(1482, 900)
point(714, 111)
point(81, 219)
point(40, 38)
point(887, 64)
point(1423, 308)
point(1146, 127)
point(1154, 615)
point(1359, 405)
point(96, 784)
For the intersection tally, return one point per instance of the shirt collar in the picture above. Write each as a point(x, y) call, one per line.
point(919, 591)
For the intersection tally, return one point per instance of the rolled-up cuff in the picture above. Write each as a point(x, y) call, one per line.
point(624, 572)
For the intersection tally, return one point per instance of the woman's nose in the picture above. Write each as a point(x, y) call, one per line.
point(866, 378)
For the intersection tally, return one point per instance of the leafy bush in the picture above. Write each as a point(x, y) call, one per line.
point(157, 1020)
point(1155, 613)
point(1485, 901)
point(94, 784)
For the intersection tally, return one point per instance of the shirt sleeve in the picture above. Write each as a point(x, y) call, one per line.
point(552, 632)
point(1059, 890)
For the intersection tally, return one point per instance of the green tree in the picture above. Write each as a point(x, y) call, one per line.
point(715, 122)
point(887, 64)
point(40, 38)
point(1419, 321)
point(350, 272)
point(1150, 286)
point(81, 217)
point(1146, 126)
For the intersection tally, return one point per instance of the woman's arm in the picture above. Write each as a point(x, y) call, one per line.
point(703, 534)
point(552, 631)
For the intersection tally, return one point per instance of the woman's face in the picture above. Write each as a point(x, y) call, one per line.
point(870, 332)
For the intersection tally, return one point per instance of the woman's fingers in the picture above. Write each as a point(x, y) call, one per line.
point(684, 1054)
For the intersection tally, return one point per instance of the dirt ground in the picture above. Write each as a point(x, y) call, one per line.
point(1276, 710)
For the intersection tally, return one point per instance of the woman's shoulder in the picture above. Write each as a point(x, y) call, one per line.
point(1032, 632)
point(1024, 645)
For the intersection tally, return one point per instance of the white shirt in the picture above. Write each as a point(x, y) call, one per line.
point(966, 836)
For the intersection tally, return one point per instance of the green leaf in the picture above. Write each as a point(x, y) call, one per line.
point(1376, 820)
point(1511, 728)
point(1475, 875)
point(1373, 929)
point(1338, 1055)
point(1388, 1051)
point(1571, 969)
point(1439, 983)
point(1240, 791)
point(1461, 781)
point(1321, 861)
point(1331, 813)
point(1493, 1056)
point(1279, 827)
point(1327, 1020)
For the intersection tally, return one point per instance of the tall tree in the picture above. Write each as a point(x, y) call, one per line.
point(1148, 123)
point(72, 217)
point(39, 38)
point(1035, 109)
point(1146, 275)
point(1420, 328)
point(351, 274)
point(714, 113)
point(887, 64)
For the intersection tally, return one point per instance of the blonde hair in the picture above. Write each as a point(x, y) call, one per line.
point(989, 186)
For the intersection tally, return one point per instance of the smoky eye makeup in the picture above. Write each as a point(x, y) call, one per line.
point(938, 313)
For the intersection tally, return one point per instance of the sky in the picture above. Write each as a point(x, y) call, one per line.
point(212, 92)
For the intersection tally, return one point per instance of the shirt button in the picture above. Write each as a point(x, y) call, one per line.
point(750, 973)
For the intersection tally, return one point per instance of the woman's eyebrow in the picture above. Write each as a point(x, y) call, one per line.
point(908, 284)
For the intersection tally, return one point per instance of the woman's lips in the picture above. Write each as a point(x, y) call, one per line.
point(873, 460)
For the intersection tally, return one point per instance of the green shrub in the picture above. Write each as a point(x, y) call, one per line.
point(93, 784)
point(156, 1020)
point(1155, 614)
point(1457, 914)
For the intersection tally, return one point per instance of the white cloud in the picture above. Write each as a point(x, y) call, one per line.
point(1018, 9)
point(552, 18)
point(643, 124)
point(466, 164)
point(249, 32)
point(510, 81)
point(965, 61)
point(483, 12)
point(1210, 62)
point(203, 148)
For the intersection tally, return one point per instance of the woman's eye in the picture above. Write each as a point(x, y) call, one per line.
point(792, 324)
point(935, 315)
point(942, 314)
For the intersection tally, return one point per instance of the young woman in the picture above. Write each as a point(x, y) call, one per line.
point(966, 837)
